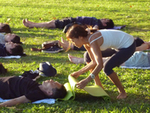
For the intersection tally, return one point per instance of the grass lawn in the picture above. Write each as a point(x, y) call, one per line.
point(132, 13)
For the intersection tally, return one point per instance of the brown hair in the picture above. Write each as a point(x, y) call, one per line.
point(17, 50)
point(16, 39)
point(59, 93)
point(75, 31)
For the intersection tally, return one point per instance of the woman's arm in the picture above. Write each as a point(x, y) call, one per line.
point(96, 63)
point(86, 68)
point(96, 57)
point(15, 101)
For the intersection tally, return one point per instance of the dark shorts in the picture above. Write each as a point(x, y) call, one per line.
point(63, 22)
point(118, 58)
point(79, 49)
point(107, 53)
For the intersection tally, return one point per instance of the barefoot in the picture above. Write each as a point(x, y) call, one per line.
point(122, 95)
point(27, 23)
point(75, 60)
point(64, 44)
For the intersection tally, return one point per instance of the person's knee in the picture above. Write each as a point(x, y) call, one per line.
point(50, 24)
point(108, 71)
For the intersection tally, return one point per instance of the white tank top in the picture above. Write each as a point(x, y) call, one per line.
point(114, 39)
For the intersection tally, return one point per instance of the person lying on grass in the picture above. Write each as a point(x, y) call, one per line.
point(144, 46)
point(11, 48)
point(138, 59)
point(22, 90)
point(94, 41)
point(89, 21)
point(9, 38)
point(140, 46)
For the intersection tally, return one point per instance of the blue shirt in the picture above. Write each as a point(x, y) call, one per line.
point(138, 59)
point(3, 51)
point(89, 21)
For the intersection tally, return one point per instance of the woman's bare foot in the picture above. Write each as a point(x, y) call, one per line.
point(75, 60)
point(27, 23)
point(64, 44)
point(122, 95)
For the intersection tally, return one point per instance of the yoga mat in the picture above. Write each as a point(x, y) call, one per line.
point(70, 86)
point(92, 90)
point(70, 93)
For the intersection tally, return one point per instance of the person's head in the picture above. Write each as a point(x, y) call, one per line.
point(76, 34)
point(12, 38)
point(14, 49)
point(107, 23)
point(54, 89)
point(138, 41)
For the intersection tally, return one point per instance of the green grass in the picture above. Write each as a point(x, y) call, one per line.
point(132, 13)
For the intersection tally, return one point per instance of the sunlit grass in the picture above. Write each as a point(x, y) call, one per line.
point(132, 13)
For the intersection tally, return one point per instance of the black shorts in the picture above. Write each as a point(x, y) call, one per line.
point(106, 53)
point(116, 59)
point(63, 22)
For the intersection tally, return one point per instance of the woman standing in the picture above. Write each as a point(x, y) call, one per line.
point(97, 41)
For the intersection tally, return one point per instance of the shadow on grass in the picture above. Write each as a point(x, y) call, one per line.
point(137, 28)
point(83, 97)
point(33, 32)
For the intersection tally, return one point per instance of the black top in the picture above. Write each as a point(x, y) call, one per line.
point(13, 87)
point(90, 21)
point(3, 51)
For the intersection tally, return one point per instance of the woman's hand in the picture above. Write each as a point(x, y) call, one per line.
point(75, 74)
point(82, 83)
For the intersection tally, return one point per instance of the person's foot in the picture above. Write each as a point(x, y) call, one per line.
point(64, 44)
point(27, 23)
point(75, 60)
point(122, 96)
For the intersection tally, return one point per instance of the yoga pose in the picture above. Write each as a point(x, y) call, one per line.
point(89, 21)
point(140, 46)
point(22, 90)
point(99, 40)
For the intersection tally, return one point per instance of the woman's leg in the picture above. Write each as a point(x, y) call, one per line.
point(114, 78)
point(116, 60)
point(97, 81)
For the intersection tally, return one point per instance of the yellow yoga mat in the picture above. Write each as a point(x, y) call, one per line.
point(92, 90)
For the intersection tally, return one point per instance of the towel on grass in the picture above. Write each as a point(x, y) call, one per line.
point(119, 27)
point(10, 57)
point(135, 67)
point(48, 101)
